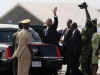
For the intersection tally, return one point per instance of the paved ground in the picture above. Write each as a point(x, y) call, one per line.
point(63, 70)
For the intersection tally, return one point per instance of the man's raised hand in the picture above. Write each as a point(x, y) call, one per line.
point(55, 10)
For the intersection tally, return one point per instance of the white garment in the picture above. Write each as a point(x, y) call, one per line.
point(64, 32)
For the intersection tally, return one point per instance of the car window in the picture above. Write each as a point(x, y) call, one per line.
point(6, 36)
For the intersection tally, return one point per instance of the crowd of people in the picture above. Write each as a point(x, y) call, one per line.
point(79, 49)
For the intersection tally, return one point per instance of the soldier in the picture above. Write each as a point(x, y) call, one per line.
point(24, 38)
point(15, 36)
point(15, 45)
point(35, 38)
point(87, 33)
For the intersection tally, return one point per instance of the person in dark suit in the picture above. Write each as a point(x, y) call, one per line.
point(50, 34)
point(72, 47)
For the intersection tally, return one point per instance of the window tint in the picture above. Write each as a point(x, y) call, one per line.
point(6, 36)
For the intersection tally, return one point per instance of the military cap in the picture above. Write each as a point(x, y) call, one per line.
point(25, 21)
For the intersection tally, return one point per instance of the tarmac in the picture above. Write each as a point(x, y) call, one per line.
point(63, 70)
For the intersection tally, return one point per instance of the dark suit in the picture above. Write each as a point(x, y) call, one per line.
point(72, 47)
point(67, 46)
point(52, 35)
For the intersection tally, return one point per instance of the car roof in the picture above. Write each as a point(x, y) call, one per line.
point(8, 26)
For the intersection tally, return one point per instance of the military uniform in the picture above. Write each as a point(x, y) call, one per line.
point(23, 40)
point(86, 54)
point(15, 45)
point(86, 51)
point(15, 42)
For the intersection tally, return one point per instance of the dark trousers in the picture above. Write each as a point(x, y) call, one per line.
point(15, 66)
point(86, 64)
point(73, 67)
point(73, 71)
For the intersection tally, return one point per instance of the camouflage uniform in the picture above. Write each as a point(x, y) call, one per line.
point(86, 54)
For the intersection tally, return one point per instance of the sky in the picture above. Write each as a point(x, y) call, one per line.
point(5, 5)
